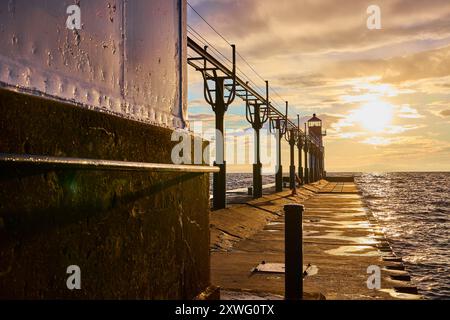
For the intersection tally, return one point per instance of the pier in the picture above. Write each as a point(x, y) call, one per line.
point(341, 239)
point(88, 176)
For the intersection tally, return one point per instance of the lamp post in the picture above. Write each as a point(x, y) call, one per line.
point(300, 143)
point(257, 116)
point(292, 138)
point(278, 125)
point(216, 98)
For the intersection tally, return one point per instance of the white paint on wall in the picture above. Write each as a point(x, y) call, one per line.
point(126, 59)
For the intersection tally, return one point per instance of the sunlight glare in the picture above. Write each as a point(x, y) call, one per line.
point(375, 116)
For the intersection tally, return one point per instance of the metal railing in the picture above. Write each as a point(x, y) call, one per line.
point(96, 164)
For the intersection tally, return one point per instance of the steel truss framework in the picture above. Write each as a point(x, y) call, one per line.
point(221, 86)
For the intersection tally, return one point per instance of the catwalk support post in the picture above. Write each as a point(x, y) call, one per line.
point(292, 139)
point(218, 99)
point(279, 124)
point(257, 116)
point(306, 149)
point(300, 150)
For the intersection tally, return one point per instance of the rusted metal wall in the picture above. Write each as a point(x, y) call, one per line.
point(127, 59)
point(134, 235)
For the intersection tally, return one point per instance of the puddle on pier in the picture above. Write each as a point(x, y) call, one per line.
point(400, 295)
point(365, 251)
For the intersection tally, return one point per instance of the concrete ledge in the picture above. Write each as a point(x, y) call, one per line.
point(241, 221)
point(341, 179)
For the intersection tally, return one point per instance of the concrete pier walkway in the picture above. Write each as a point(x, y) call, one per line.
point(341, 240)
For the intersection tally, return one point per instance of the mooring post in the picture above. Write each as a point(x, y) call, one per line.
point(293, 251)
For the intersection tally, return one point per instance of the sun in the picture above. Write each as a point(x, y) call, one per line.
point(374, 116)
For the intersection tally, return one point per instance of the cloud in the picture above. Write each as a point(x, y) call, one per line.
point(424, 65)
point(276, 28)
point(407, 112)
point(320, 57)
point(378, 141)
point(445, 113)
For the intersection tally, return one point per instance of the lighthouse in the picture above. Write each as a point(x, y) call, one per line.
point(315, 128)
point(316, 152)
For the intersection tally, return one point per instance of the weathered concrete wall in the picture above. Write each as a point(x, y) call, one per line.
point(127, 59)
point(134, 234)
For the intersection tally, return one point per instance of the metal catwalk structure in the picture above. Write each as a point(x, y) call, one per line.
point(222, 83)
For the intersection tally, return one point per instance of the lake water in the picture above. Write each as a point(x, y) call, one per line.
point(414, 211)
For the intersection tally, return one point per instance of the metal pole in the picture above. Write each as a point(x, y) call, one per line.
point(219, 180)
point(306, 164)
point(318, 174)
point(300, 167)
point(323, 164)
point(306, 155)
point(257, 179)
point(300, 147)
point(316, 166)
point(293, 251)
point(10, 159)
point(292, 166)
point(279, 174)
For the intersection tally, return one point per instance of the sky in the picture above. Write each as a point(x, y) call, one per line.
point(383, 94)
